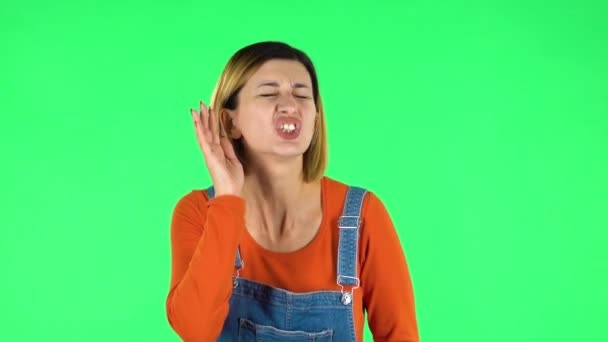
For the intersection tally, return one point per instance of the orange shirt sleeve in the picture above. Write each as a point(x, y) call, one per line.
point(204, 239)
point(387, 288)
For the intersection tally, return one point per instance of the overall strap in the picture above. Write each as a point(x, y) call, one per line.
point(238, 264)
point(349, 224)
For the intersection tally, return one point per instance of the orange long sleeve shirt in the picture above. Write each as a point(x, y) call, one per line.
point(204, 238)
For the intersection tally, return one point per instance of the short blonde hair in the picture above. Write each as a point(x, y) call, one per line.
point(241, 66)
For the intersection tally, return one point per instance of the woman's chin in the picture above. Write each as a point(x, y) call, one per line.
point(289, 153)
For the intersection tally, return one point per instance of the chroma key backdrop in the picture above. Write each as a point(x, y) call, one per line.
point(482, 125)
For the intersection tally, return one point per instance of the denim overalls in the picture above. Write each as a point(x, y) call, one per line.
point(262, 313)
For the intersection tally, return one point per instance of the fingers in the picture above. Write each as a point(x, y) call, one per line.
point(228, 149)
point(214, 127)
point(204, 116)
point(197, 120)
point(202, 135)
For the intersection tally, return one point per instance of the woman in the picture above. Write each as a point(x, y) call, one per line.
point(275, 250)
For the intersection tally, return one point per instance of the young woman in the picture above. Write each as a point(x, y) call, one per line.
point(275, 250)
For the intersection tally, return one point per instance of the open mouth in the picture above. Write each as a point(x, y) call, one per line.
point(288, 127)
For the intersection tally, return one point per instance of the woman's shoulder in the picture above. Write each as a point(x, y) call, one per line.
point(193, 207)
point(340, 187)
point(194, 203)
point(195, 198)
point(376, 224)
point(200, 199)
point(337, 190)
point(190, 208)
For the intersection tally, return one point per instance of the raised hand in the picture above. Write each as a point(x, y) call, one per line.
point(224, 167)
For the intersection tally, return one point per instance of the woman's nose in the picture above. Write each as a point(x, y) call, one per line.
point(287, 103)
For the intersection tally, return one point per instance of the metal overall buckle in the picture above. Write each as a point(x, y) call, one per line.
point(347, 297)
point(235, 281)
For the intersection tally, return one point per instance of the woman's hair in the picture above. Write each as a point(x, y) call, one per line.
point(241, 66)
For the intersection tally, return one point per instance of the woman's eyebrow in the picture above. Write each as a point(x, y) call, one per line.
point(275, 84)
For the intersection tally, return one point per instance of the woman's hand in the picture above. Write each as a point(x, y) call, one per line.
point(224, 167)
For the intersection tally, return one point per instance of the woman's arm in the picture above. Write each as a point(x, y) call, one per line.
point(388, 294)
point(204, 238)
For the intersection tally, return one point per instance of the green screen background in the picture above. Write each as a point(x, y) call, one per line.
point(483, 128)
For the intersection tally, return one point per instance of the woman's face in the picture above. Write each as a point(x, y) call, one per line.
point(276, 110)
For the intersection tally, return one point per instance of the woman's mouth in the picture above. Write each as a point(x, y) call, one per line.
point(288, 127)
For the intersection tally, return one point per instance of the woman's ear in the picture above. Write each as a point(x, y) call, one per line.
point(228, 118)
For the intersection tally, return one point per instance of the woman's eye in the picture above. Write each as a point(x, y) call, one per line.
point(298, 96)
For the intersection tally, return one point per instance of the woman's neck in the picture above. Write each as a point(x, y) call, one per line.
point(277, 198)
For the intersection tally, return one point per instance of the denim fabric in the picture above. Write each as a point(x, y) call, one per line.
point(261, 313)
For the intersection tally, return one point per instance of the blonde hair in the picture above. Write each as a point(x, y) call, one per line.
point(241, 66)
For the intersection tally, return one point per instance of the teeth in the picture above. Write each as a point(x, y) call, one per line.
point(288, 127)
